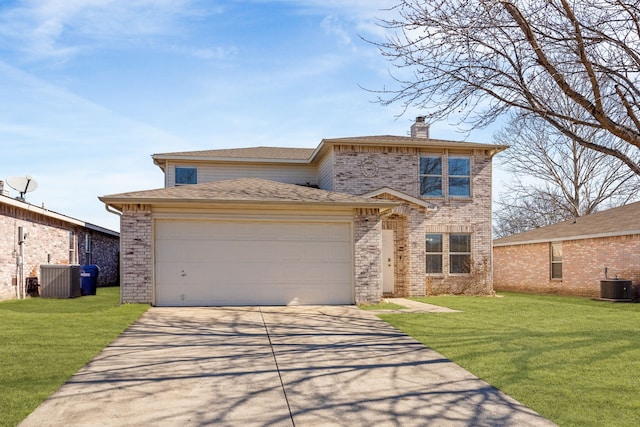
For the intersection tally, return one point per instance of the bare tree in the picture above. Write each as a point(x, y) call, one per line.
point(555, 178)
point(520, 212)
point(480, 58)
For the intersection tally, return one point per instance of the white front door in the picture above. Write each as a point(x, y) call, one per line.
point(388, 261)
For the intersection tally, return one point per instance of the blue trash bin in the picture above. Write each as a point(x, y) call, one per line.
point(89, 279)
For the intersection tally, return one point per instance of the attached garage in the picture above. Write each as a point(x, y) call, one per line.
point(209, 263)
point(248, 241)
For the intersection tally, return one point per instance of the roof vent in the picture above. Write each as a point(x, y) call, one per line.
point(420, 129)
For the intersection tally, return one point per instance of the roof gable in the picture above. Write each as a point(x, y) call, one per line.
point(402, 196)
point(623, 220)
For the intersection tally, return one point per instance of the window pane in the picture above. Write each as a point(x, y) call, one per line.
point(434, 263)
point(430, 166)
point(556, 271)
point(186, 175)
point(556, 252)
point(460, 263)
point(459, 243)
point(459, 187)
point(434, 243)
point(431, 186)
point(459, 166)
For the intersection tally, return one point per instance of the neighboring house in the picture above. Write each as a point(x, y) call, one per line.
point(570, 257)
point(347, 222)
point(51, 238)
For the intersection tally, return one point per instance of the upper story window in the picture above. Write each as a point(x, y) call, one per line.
point(556, 260)
point(459, 176)
point(186, 175)
point(431, 176)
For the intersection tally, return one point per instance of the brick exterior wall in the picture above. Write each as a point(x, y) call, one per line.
point(359, 170)
point(136, 248)
point(48, 242)
point(398, 168)
point(104, 252)
point(367, 260)
point(526, 268)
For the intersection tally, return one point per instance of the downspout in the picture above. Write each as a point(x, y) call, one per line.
point(114, 211)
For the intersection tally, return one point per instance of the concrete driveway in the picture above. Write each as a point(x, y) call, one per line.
point(271, 366)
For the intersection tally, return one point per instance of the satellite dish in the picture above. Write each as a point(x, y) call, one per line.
point(22, 184)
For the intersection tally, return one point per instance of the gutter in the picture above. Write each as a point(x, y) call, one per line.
point(569, 238)
point(110, 203)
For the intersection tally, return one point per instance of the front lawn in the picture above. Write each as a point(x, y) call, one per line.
point(45, 341)
point(573, 360)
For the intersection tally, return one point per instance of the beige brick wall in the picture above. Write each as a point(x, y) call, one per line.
point(136, 248)
point(105, 253)
point(526, 268)
point(367, 261)
point(398, 168)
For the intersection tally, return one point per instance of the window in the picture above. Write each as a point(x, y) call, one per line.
point(73, 254)
point(556, 260)
point(460, 253)
point(87, 249)
point(434, 253)
point(459, 177)
point(431, 176)
point(186, 175)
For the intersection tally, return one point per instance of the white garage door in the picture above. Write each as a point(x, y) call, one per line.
point(204, 263)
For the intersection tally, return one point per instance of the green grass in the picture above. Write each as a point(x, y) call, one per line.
point(573, 360)
point(381, 306)
point(43, 342)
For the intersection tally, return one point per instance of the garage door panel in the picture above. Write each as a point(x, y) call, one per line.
point(252, 263)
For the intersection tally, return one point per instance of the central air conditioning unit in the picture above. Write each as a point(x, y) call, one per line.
point(59, 281)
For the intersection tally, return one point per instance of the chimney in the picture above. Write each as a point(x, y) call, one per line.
point(420, 129)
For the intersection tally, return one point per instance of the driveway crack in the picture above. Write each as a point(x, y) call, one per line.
point(275, 360)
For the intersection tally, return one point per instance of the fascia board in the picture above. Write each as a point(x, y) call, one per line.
point(119, 202)
point(197, 159)
point(568, 238)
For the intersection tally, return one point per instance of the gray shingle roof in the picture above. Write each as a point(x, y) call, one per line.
point(304, 154)
point(622, 220)
point(280, 153)
point(244, 190)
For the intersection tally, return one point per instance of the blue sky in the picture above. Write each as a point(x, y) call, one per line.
point(91, 88)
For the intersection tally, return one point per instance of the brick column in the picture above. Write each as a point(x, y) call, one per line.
point(136, 284)
point(367, 259)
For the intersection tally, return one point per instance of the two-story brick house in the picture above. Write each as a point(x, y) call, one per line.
point(349, 221)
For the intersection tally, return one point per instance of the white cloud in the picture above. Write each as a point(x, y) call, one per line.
point(63, 28)
point(75, 149)
point(333, 25)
